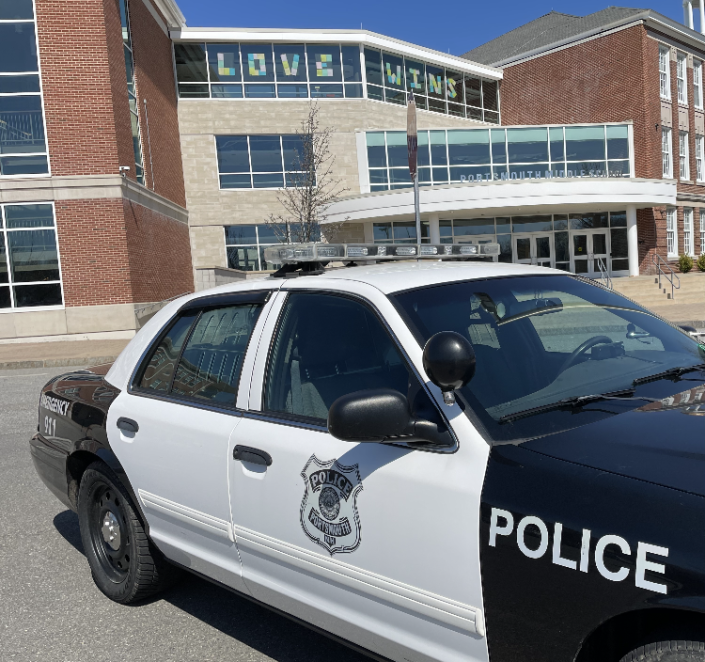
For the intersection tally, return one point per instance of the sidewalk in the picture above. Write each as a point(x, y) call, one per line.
point(58, 354)
point(688, 314)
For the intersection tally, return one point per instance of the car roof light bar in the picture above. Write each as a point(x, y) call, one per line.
point(323, 253)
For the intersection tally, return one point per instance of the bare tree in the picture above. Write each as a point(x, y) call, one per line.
point(310, 187)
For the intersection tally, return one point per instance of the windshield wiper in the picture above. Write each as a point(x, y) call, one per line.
point(671, 372)
point(574, 401)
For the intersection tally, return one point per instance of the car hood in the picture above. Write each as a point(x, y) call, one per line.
point(662, 442)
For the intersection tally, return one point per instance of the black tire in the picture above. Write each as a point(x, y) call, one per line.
point(125, 565)
point(668, 651)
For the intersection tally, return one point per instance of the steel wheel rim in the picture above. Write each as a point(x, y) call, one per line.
point(109, 532)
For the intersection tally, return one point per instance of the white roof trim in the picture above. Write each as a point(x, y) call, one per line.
point(172, 13)
point(507, 198)
point(364, 37)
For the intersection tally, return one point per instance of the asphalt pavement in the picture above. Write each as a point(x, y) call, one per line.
point(50, 610)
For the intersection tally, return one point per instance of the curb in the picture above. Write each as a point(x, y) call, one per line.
point(58, 363)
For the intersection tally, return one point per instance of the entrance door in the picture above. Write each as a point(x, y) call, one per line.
point(588, 249)
point(534, 249)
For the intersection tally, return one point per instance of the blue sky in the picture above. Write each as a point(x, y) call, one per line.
point(456, 27)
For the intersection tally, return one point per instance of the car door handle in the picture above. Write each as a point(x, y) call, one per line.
point(254, 455)
point(127, 425)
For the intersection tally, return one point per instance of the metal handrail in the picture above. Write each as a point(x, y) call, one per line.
point(658, 261)
point(604, 275)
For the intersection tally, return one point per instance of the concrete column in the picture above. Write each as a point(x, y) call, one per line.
point(632, 241)
point(701, 3)
point(688, 13)
point(434, 229)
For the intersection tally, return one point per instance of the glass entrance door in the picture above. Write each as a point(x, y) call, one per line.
point(534, 249)
point(588, 249)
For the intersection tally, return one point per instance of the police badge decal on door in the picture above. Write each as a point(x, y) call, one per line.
point(329, 508)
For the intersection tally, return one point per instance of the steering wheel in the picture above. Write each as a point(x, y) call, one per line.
point(582, 348)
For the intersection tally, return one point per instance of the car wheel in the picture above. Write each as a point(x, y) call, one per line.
point(668, 651)
point(125, 565)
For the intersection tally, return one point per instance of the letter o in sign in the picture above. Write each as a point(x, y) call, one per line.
point(521, 531)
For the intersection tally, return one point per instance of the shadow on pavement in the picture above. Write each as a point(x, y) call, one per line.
point(239, 618)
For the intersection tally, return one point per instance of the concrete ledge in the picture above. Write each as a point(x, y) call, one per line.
point(57, 363)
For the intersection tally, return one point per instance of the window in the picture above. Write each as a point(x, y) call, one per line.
point(331, 71)
point(702, 230)
point(399, 232)
point(23, 149)
point(245, 245)
point(683, 155)
point(29, 258)
point(328, 346)
point(664, 69)
point(201, 355)
point(132, 90)
point(698, 83)
point(666, 152)
point(682, 79)
point(477, 155)
point(699, 156)
point(688, 231)
point(671, 238)
point(263, 161)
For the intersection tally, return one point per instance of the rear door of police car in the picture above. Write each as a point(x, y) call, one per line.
point(376, 543)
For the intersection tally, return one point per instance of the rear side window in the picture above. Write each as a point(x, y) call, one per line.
point(202, 353)
point(159, 372)
point(211, 362)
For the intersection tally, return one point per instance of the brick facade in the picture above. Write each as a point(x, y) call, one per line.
point(613, 78)
point(112, 250)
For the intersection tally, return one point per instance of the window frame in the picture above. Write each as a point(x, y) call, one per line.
point(40, 94)
point(200, 304)
point(667, 152)
point(702, 230)
point(684, 155)
point(664, 63)
point(251, 172)
point(672, 231)
point(682, 78)
point(258, 244)
point(699, 158)
point(698, 83)
point(688, 244)
point(4, 231)
point(295, 420)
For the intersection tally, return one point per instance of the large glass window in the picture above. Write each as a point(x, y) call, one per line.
point(23, 148)
point(664, 69)
point(293, 71)
point(132, 90)
point(474, 155)
point(688, 231)
point(666, 161)
point(671, 237)
point(699, 158)
point(29, 258)
point(702, 230)
point(261, 161)
point(683, 155)
point(245, 244)
point(698, 83)
point(682, 79)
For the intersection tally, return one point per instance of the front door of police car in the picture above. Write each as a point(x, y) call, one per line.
point(365, 540)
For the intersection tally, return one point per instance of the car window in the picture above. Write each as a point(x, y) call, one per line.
point(327, 346)
point(159, 371)
point(209, 368)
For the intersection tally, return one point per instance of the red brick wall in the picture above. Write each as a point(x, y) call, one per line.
point(155, 83)
point(159, 254)
point(78, 90)
point(95, 265)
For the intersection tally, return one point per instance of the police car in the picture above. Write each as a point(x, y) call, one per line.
point(437, 459)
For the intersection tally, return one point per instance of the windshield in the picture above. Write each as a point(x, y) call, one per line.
point(542, 339)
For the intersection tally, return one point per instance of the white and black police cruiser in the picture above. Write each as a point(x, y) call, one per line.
point(431, 460)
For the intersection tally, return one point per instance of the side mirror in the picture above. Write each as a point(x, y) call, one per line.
point(381, 415)
point(449, 362)
point(690, 330)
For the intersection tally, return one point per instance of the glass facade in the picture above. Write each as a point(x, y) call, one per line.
point(29, 258)
point(475, 155)
point(331, 71)
point(572, 242)
point(23, 149)
point(132, 90)
point(245, 244)
point(262, 161)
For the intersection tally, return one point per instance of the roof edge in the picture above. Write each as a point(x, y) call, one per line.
point(172, 12)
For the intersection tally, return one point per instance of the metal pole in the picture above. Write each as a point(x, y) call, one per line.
point(412, 144)
point(417, 207)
